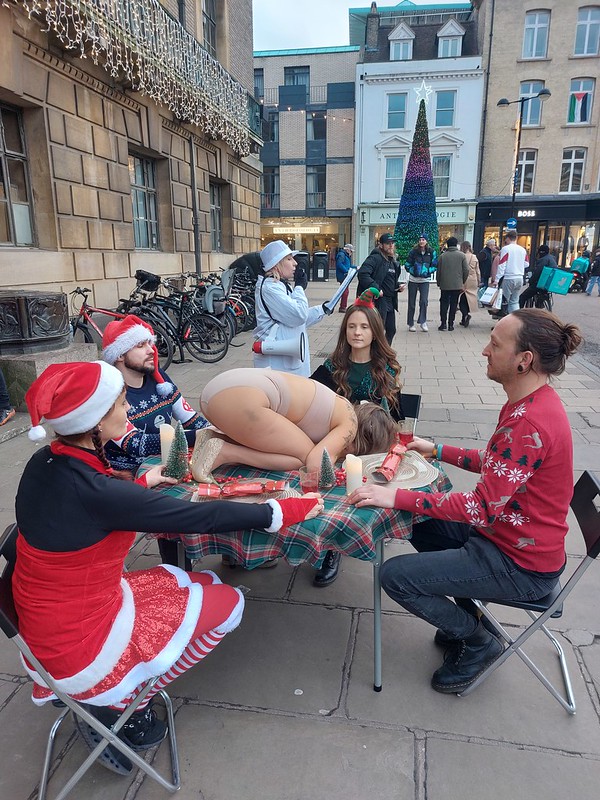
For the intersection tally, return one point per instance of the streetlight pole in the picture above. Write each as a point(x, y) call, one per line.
point(543, 94)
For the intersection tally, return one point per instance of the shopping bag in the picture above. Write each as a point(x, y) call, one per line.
point(497, 300)
point(487, 295)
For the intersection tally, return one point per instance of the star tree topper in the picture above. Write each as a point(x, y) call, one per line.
point(423, 91)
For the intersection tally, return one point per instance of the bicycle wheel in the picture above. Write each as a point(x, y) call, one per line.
point(240, 311)
point(164, 345)
point(81, 333)
point(205, 338)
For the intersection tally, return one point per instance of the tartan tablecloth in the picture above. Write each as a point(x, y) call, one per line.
point(353, 531)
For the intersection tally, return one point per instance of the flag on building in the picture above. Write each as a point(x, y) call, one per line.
point(579, 106)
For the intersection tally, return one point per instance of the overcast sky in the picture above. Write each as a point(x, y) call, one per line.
point(287, 24)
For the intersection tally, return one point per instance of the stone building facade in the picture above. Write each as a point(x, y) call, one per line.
point(308, 118)
point(99, 179)
point(528, 47)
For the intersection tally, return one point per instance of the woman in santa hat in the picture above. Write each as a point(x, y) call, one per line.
point(99, 631)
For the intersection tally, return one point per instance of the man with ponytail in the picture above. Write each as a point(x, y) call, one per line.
point(504, 539)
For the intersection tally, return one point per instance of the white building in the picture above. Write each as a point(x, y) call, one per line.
point(434, 55)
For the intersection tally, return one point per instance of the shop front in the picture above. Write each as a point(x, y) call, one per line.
point(319, 235)
point(569, 228)
point(454, 219)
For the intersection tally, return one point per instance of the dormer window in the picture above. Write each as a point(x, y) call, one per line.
point(450, 39)
point(401, 43)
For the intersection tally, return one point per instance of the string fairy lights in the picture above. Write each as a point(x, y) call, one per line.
point(138, 42)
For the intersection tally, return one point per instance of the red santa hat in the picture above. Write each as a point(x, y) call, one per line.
point(72, 398)
point(122, 335)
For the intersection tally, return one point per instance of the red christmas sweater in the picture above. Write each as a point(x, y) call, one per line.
point(522, 498)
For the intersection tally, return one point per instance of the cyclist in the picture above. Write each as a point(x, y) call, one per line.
point(544, 259)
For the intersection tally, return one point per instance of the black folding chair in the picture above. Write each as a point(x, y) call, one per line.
point(585, 504)
point(411, 405)
point(101, 736)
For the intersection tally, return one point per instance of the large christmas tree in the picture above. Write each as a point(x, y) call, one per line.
point(416, 214)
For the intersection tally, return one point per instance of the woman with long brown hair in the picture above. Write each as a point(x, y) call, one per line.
point(363, 366)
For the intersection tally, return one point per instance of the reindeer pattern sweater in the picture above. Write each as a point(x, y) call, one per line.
point(522, 498)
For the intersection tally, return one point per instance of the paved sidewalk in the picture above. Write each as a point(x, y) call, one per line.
point(284, 709)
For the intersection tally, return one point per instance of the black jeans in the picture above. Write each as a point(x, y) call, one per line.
point(453, 560)
point(386, 309)
point(448, 303)
point(4, 399)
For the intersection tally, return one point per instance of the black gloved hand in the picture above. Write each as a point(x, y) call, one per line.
point(326, 309)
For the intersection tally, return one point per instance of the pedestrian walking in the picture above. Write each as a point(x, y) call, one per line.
point(452, 272)
point(468, 301)
point(420, 265)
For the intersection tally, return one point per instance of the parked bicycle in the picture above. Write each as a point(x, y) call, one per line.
point(88, 324)
point(183, 321)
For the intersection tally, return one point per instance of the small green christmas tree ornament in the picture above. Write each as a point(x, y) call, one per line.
point(177, 463)
point(327, 476)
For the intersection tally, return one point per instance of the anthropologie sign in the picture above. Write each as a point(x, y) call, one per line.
point(449, 215)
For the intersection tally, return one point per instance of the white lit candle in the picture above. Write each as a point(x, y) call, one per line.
point(354, 475)
point(167, 433)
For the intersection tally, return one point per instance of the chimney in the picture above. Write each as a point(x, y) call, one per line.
point(372, 34)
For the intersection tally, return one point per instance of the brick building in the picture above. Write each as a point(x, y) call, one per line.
point(308, 117)
point(529, 47)
point(110, 162)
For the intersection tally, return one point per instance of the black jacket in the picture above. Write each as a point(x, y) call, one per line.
point(595, 266)
point(373, 272)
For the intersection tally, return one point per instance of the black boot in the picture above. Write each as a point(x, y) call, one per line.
point(465, 661)
point(328, 572)
point(142, 730)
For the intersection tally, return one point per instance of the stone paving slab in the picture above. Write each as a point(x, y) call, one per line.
point(511, 706)
point(458, 770)
point(229, 754)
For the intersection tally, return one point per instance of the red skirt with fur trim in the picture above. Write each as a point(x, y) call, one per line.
point(100, 632)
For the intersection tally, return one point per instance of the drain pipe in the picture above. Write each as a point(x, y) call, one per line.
point(195, 209)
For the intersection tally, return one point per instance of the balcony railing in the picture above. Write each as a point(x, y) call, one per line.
point(314, 94)
point(139, 42)
point(315, 199)
point(269, 200)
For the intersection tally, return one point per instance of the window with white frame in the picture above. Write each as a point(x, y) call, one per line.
point(572, 169)
point(15, 192)
point(401, 51)
point(142, 175)
point(216, 218)
point(450, 47)
point(587, 33)
point(445, 104)
point(580, 101)
point(525, 171)
point(535, 38)
point(396, 110)
point(440, 166)
point(532, 109)
point(394, 177)
point(401, 43)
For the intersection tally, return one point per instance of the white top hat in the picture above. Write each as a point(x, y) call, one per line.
point(272, 254)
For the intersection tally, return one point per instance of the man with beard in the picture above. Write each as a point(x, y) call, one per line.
point(128, 344)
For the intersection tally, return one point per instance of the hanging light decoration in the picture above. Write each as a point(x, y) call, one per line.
point(137, 41)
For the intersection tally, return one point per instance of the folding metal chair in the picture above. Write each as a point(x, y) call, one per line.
point(106, 736)
point(586, 508)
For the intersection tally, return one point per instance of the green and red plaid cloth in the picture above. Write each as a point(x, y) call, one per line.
point(353, 531)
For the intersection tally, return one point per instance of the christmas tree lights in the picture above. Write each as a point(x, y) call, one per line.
point(416, 213)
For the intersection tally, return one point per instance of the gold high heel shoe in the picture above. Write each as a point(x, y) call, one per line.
point(203, 458)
